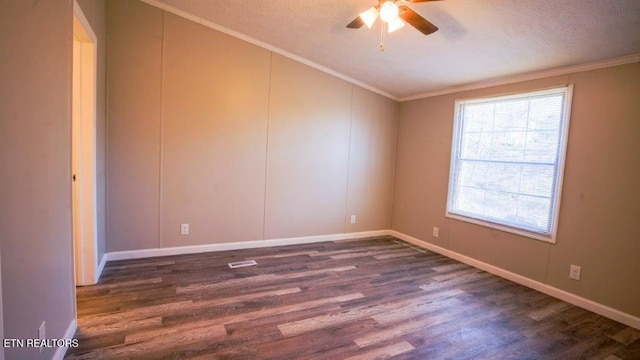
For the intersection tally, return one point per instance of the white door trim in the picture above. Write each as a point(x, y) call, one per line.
point(84, 151)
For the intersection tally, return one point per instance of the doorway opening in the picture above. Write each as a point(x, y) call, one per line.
point(83, 150)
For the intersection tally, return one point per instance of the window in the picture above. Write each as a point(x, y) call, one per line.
point(507, 161)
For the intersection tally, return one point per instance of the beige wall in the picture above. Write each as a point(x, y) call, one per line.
point(308, 151)
point(244, 144)
point(240, 143)
point(372, 157)
point(214, 132)
point(600, 206)
point(35, 158)
point(134, 57)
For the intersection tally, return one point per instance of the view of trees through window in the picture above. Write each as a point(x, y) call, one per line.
point(506, 157)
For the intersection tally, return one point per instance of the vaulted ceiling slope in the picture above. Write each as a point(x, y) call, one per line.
point(478, 41)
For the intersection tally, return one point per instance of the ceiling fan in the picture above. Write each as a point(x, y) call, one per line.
point(392, 17)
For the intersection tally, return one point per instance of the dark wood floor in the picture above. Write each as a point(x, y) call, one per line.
point(368, 299)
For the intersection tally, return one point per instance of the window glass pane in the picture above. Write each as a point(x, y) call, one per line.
point(537, 180)
point(471, 146)
point(511, 115)
point(541, 146)
point(501, 206)
point(480, 117)
point(546, 113)
point(508, 145)
point(505, 159)
point(534, 212)
point(470, 200)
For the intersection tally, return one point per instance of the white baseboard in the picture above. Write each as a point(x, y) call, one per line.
point(69, 334)
point(587, 304)
point(194, 249)
point(584, 303)
point(103, 262)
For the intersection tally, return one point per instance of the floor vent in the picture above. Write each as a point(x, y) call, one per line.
point(239, 264)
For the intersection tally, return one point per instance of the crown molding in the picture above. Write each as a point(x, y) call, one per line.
point(629, 59)
point(262, 44)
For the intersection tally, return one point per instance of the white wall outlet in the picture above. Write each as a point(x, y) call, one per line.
point(353, 219)
point(436, 231)
point(184, 229)
point(574, 272)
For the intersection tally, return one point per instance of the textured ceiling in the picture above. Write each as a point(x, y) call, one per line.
point(478, 40)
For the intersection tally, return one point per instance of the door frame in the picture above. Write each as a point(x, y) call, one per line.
point(83, 149)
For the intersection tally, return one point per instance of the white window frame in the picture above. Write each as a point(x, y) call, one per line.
point(560, 164)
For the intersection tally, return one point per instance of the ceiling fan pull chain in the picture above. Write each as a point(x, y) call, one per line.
point(382, 26)
point(393, 17)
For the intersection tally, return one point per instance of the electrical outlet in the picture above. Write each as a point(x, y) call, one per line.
point(353, 219)
point(184, 229)
point(436, 231)
point(574, 272)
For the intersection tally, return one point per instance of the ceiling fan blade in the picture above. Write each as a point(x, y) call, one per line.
point(414, 19)
point(356, 23)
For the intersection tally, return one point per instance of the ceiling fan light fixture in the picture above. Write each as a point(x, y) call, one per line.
point(395, 24)
point(369, 17)
point(389, 11)
point(393, 17)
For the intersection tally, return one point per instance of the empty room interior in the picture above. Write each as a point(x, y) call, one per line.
point(330, 179)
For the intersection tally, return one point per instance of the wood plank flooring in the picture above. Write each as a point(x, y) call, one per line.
point(375, 298)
